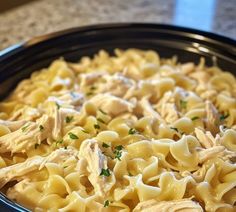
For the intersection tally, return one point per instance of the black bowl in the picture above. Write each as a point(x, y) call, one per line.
point(20, 61)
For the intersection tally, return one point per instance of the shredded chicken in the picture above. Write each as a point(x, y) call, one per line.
point(96, 162)
point(212, 118)
point(116, 85)
point(26, 113)
point(13, 125)
point(111, 104)
point(169, 112)
point(17, 171)
point(167, 108)
point(206, 139)
point(168, 206)
point(90, 78)
point(149, 111)
point(206, 154)
point(26, 137)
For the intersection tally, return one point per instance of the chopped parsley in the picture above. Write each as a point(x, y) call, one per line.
point(36, 146)
point(105, 145)
point(41, 128)
point(59, 141)
point(195, 118)
point(93, 88)
point(118, 152)
point(223, 117)
point(119, 147)
point(106, 203)
point(132, 131)
point(100, 120)
point(102, 112)
point(224, 127)
point(85, 131)
point(89, 93)
point(69, 119)
point(58, 106)
point(24, 128)
point(105, 172)
point(72, 135)
point(183, 104)
point(174, 128)
point(96, 126)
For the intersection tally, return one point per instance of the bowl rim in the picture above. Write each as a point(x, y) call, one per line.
point(116, 25)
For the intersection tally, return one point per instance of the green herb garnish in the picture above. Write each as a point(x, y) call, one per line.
point(58, 106)
point(85, 131)
point(59, 141)
point(106, 203)
point(105, 172)
point(93, 88)
point(132, 131)
point(69, 119)
point(183, 104)
point(24, 127)
point(105, 145)
point(96, 126)
point(100, 120)
point(223, 117)
point(118, 154)
point(41, 128)
point(102, 111)
point(36, 146)
point(174, 128)
point(119, 147)
point(195, 118)
point(89, 93)
point(73, 136)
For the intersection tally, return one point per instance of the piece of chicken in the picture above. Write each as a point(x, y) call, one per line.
point(149, 111)
point(89, 78)
point(67, 98)
point(116, 85)
point(13, 125)
point(17, 171)
point(111, 104)
point(169, 112)
point(96, 163)
point(26, 113)
point(26, 137)
point(186, 205)
point(206, 154)
point(206, 139)
point(212, 118)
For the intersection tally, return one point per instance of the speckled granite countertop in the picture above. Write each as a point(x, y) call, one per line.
point(45, 16)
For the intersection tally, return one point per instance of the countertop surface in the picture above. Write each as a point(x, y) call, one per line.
point(45, 16)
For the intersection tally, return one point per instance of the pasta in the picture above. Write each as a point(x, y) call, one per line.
point(129, 132)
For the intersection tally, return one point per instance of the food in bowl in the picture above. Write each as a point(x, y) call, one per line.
point(130, 132)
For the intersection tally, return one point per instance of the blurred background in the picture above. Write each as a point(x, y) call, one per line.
point(23, 19)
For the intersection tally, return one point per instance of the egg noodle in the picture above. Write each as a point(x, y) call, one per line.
point(130, 132)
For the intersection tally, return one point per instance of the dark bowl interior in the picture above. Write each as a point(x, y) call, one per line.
point(17, 63)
